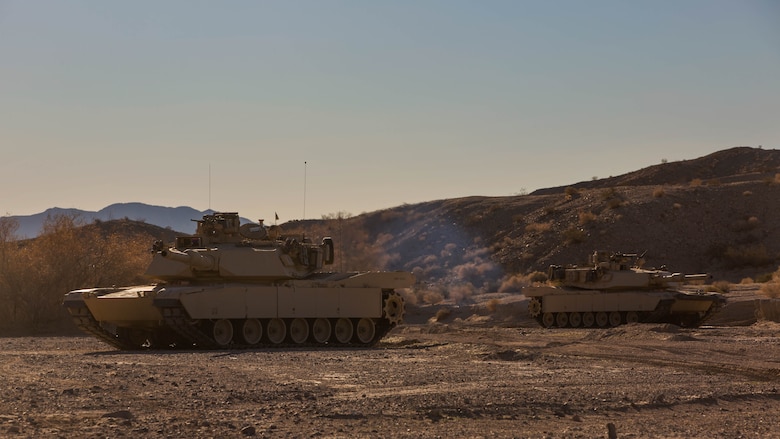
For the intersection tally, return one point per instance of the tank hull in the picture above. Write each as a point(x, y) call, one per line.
point(567, 307)
point(334, 309)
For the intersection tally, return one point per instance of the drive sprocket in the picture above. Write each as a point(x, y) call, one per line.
point(534, 307)
point(394, 308)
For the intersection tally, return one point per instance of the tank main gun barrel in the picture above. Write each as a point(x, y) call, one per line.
point(193, 259)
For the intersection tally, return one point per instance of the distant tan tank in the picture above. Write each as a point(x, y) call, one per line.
point(232, 286)
point(613, 290)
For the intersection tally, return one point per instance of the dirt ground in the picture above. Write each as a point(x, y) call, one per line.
point(478, 370)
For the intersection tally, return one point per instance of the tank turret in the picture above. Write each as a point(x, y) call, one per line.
point(613, 289)
point(619, 271)
point(221, 249)
point(233, 285)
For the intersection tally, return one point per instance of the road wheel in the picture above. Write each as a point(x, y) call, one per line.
point(299, 330)
point(320, 330)
point(588, 319)
point(222, 332)
point(575, 319)
point(365, 330)
point(562, 319)
point(615, 319)
point(548, 319)
point(343, 330)
point(602, 319)
point(632, 317)
point(276, 331)
point(252, 331)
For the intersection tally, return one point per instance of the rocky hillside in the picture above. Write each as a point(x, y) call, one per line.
point(719, 214)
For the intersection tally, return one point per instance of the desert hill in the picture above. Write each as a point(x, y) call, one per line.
point(719, 214)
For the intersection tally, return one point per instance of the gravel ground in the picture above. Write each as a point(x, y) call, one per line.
point(470, 375)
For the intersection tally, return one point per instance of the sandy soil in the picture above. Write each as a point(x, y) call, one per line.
point(482, 370)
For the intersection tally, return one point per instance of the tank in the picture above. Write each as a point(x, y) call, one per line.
point(237, 286)
point(613, 290)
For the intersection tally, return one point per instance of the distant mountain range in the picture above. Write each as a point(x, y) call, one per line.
point(178, 219)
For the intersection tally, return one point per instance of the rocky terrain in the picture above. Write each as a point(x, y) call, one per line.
point(478, 370)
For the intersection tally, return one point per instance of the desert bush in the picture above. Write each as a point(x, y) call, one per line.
point(586, 217)
point(696, 182)
point(745, 225)
point(574, 235)
point(747, 193)
point(65, 256)
point(614, 203)
point(549, 210)
point(713, 182)
point(771, 288)
point(571, 192)
point(432, 297)
point(747, 280)
point(492, 304)
point(517, 218)
point(608, 193)
point(539, 227)
point(443, 314)
point(720, 286)
point(677, 206)
point(513, 284)
point(746, 256)
point(537, 277)
point(659, 192)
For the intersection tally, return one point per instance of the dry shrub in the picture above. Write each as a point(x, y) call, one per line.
point(714, 182)
point(537, 277)
point(539, 227)
point(443, 314)
point(517, 218)
point(586, 217)
point(432, 297)
point(409, 296)
point(747, 280)
point(771, 288)
point(747, 193)
point(720, 286)
point(574, 235)
point(659, 192)
point(746, 256)
point(677, 206)
point(696, 182)
point(513, 284)
point(492, 304)
point(614, 203)
point(459, 293)
point(571, 192)
point(549, 210)
point(746, 224)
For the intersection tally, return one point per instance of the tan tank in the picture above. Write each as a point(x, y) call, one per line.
point(233, 285)
point(613, 290)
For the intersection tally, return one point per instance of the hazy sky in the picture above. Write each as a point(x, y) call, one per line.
point(387, 102)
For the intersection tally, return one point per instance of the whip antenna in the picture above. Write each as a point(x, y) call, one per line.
point(304, 190)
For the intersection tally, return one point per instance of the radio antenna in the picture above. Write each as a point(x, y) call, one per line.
point(209, 186)
point(304, 190)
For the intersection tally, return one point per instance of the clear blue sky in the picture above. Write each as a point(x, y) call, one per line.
point(387, 102)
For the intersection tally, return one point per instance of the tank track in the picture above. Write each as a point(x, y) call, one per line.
point(190, 330)
point(659, 315)
point(83, 320)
